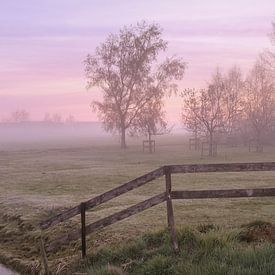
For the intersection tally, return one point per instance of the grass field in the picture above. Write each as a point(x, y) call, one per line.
point(40, 179)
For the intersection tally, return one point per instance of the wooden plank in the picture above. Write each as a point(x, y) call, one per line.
point(227, 193)
point(83, 229)
point(44, 257)
point(67, 214)
point(170, 212)
point(108, 221)
point(168, 187)
point(222, 167)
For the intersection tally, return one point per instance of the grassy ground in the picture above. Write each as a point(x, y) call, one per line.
point(204, 250)
point(39, 179)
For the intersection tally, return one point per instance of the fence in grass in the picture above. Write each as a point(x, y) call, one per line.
point(168, 195)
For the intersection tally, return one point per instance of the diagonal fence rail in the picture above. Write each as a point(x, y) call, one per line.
point(167, 196)
point(122, 189)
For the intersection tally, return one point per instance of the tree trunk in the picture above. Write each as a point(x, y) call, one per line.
point(259, 143)
point(150, 143)
point(123, 138)
point(210, 144)
point(196, 140)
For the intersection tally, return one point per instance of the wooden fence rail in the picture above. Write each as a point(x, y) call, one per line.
point(133, 184)
point(167, 196)
point(121, 215)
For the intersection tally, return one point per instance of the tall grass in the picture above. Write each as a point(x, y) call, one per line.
point(212, 251)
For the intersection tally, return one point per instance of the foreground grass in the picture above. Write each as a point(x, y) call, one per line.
point(204, 250)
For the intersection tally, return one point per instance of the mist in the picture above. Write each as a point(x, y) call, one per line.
point(137, 137)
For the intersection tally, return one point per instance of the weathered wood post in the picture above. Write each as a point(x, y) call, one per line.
point(44, 257)
point(170, 212)
point(83, 229)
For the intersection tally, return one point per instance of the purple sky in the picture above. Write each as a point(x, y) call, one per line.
point(43, 45)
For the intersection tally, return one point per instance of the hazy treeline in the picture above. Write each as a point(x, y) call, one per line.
point(134, 85)
point(22, 116)
point(233, 108)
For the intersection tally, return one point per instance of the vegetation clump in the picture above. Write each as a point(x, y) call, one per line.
point(258, 231)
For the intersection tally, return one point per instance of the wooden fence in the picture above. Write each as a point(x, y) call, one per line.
point(168, 195)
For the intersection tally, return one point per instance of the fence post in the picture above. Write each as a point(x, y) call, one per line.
point(44, 257)
point(170, 213)
point(83, 229)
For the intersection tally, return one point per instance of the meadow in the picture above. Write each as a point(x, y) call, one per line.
point(41, 178)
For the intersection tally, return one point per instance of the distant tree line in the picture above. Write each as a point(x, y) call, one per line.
point(17, 116)
point(232, 107)
point(23, 116)
point(57, 118)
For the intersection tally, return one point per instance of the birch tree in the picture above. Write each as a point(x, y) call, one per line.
point(126, 71)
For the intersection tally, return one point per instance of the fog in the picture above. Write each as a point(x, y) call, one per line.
point(37, 134)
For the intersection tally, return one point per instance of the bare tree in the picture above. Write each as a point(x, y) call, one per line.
point(20, 116)
point(259, 105)
point(70, 119)
point(217, 109)
point(53, 119)
point(233, 100)
point(202, 113)
point(47, 118)
point(124, 68)
point(150, 122)
point(268, 56)
point(56, 118)
point(203, 109)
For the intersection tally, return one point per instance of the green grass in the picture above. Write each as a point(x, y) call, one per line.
point(214, 251)
point(40, 180)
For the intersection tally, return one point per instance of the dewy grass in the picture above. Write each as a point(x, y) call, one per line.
point(214, 252)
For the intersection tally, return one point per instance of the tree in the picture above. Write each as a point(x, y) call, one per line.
point(47, 118)
point(203, 109)
point(216, 109)
point(259, 105)
point(124, 68)
point(70, 119)
point(150, 122)
point(53, 119)
point(20, 116)
point(233, 100)
point(56, 118)
point(268, 56)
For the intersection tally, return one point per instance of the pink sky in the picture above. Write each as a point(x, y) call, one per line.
point(44, 43)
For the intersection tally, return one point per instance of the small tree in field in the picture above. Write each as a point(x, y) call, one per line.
point(20, 116)
point(259, 105)
point(124, 68)
point(150, 122)
point(47, 118)
point(70, 119)
point(203, 109)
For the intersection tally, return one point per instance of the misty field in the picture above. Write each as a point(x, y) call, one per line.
point(41, 179)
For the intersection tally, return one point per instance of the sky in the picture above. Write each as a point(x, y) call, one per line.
point(43, 44)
